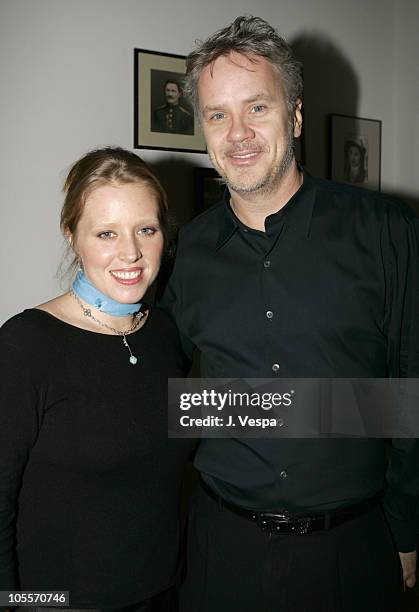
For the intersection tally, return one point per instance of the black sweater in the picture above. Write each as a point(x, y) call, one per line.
point(89, 482)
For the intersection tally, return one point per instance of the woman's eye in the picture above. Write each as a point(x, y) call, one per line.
point(106, 235)
point(258, 108)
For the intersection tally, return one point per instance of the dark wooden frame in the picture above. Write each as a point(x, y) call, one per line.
point(366, 133)
point(144, 138)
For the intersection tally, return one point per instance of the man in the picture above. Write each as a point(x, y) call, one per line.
point(172, 117)
point(292, 276)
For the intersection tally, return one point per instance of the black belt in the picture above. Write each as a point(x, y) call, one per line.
point(295, 523)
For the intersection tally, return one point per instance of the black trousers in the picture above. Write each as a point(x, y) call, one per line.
point(234, 566)
point(164, 602)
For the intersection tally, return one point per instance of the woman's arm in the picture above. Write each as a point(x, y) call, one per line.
point(19, 400)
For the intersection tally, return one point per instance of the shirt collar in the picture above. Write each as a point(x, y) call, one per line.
point(296, 213)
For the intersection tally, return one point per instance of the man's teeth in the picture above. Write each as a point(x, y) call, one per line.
point(241, 155)
point(127, 275)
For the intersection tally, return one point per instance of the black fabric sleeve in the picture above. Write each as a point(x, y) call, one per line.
point(402, 323)
point(19, 400)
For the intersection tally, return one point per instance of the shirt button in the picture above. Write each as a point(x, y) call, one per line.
point(283, 474)
point(280, 422)
point(266, 263)
point(269, 314)
point(275, 367)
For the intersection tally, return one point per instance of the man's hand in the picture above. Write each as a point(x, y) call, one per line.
point(408, 561)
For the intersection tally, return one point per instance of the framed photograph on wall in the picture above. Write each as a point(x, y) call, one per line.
point(209, 188)
point(163, 117)
point(355, 151)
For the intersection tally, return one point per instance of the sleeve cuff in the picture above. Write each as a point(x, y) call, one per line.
point(404, 533)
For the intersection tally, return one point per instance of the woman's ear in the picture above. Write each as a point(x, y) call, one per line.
point(71, 243)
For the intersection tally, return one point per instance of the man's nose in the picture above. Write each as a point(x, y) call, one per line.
point(239, 129)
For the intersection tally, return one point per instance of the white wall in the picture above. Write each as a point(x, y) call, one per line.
point(406, 99)
point(66, 86)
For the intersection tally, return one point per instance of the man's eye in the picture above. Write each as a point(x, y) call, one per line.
point(106, 235)
point(217, 116)
point(258, 108)
point(147, 231)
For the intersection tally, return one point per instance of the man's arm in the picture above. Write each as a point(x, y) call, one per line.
point(401, 503)
point(402, 322)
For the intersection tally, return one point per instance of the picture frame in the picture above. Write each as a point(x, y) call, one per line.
point(209, 188)
point(355, 151)
point(163, 117)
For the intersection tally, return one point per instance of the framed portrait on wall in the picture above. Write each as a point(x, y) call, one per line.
point(355, 151)
point(163, 116)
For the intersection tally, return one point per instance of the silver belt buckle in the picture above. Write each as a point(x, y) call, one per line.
point(272, 520)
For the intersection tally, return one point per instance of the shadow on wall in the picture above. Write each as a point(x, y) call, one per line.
point(176, 176)
point(330, 86)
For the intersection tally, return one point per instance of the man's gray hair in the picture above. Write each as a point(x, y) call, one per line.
point(250, 36)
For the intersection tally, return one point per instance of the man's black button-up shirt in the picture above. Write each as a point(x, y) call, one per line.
point(330, 289)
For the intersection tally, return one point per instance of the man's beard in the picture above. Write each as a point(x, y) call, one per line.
point(269, 182)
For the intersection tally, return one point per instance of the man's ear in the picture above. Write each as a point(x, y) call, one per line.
point(298, 118)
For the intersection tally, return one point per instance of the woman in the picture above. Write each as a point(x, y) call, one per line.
point(89, 482)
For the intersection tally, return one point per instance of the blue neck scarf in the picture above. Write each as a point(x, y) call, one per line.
point(88, 293)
